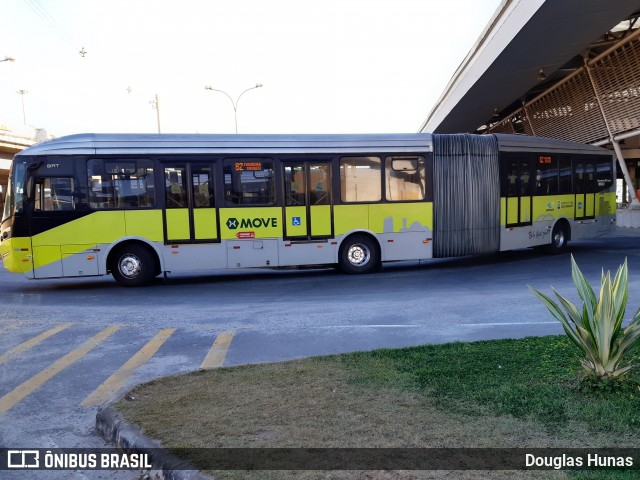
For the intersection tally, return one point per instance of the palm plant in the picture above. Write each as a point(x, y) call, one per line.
point(596, 329)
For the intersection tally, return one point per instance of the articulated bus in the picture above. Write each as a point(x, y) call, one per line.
point(138, 206)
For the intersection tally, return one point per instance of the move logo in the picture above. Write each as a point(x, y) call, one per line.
point(233, 223)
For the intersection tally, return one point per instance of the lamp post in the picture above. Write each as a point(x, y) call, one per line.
point(155, 103)
point(234, 104)
point(22, 94)
point(8, 59)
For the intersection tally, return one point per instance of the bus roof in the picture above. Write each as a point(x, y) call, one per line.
point(168, 144)
point(147, 144)
point(514, 143)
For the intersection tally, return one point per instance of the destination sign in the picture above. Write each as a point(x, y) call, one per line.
point(248, 166)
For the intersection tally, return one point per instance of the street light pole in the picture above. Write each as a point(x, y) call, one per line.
point(233, 104)
point(155, 103)
point(22, 94)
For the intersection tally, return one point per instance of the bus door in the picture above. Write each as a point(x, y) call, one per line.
point(60, 247)
point(190, 214)
point(518, 192)
point(584, 182)
point(308, 206)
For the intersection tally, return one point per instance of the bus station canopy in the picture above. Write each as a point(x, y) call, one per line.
point(527, 47)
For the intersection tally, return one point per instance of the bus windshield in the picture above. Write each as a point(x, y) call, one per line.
point(15, 190)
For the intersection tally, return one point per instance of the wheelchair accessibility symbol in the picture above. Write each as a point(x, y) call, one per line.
point(296, 221)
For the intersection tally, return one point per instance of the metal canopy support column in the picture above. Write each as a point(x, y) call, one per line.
point(623, 166)
point(527, 117)
point(616, 146)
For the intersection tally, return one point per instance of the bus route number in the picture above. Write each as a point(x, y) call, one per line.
point(248, 166)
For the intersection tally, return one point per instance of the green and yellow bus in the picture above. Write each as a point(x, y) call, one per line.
point(138, 206)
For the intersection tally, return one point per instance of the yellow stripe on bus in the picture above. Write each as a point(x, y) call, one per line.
point(21, 391)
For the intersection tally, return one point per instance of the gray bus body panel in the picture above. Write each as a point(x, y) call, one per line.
point(174, 144)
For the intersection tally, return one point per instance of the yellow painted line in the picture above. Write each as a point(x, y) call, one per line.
point(21, 391)
point(218, 352)
point(23, 347)
point(115, 381)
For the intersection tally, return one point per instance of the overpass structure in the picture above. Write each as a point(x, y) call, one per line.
point(566, 69)
point(10, 144)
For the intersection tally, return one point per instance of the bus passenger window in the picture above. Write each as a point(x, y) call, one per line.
point(319, 186)
point(175, 187)
point(295, 185)
point(202, 183)
point(54, 194)
point(360, 179)
point(122, 183)
point(249, 181)
point(603, 174)
point(546, 175)
point(585, 176)
point(512, 179)
point(566, 185)
point(592, 182)
point(525, 178)
point(405, 178)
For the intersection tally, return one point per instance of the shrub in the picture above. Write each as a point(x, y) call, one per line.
point(596, 329)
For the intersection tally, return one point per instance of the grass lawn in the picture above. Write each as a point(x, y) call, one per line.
point(502, 393)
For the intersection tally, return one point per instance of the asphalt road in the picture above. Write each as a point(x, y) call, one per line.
point(68, 345)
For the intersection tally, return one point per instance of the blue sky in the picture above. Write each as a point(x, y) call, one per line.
point(350, 66)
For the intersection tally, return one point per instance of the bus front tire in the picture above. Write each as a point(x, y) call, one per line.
point(133, 266)
point(359, 254)
point(559, 238)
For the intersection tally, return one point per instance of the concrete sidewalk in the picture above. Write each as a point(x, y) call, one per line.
point(626, 232)
point(628, 218)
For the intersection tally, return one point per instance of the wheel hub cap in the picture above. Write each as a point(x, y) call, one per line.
point(358, 255)
point(559, 238)
point(130, 266)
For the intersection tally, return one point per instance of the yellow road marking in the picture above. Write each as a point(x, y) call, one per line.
point(115, 381)
point(21, 391)
point(218, 352)
point(23, 347)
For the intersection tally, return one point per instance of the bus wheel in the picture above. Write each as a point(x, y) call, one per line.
point(359, 254)
point(133, 265)
point(559, 238)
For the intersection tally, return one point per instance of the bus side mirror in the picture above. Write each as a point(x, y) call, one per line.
point(28, 193)
point(29, 188)
point(34, 166)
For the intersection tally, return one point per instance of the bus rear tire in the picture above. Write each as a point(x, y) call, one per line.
point(359, 254)
point(133, 265)
point(559, 238)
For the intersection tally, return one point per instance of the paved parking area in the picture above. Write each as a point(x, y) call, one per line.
point(67, 346)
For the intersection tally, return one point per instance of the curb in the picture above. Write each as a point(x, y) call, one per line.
point(111, 425)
